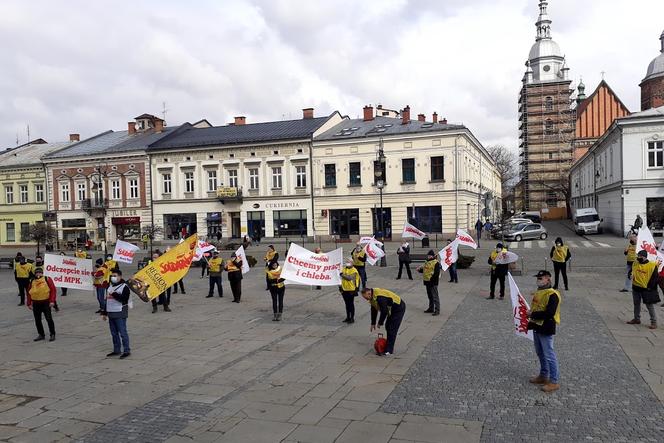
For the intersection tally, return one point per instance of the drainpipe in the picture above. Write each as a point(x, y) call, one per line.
point(151, 202)
point(311, 187)
point(456, 184)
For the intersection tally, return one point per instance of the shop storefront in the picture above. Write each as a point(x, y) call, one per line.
point(256, 224)
point(214, 225)
point(127, 228)
point(290, 223)
point(179, 225)
point(344, 222)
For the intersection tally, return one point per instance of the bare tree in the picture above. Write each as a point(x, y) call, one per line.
point(42, 234)
point(506, 163)
point(152, 231)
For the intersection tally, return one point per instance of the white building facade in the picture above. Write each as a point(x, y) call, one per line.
point(622, 174)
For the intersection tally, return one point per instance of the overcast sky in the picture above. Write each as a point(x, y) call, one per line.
point(88, 66)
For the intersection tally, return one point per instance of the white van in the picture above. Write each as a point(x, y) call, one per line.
point(587, 221)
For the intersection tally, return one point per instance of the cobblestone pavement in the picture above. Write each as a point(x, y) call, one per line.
point(477, 369)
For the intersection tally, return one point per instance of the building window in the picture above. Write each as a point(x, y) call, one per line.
point(9, 194)
point(23, 193)
point(80, 191)
point(548, 127)
point(253, 179)
point(344, 222)
point(354, 174)
point(39, 193)
point(426, 218)
point(437, 169)
point(330, 176)
point(166, 183)
point(64, 192)
point(25, 232)
point(11, 232)
point(212, 181)
point(655, 154)
point(133, 188)
point(548, 103)
point(232, 178)
point(290, 223)
point(408, 170)
point(300, 176)
point(188, 182)
point(276, 177)
point(115, 189)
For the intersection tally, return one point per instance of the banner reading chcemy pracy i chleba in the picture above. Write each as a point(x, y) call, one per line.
point(308, 268)
point(163, 272)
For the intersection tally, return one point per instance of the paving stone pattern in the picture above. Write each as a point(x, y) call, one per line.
point(477, 369)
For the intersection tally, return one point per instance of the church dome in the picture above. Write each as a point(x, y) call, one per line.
point(656, 67)
point(544, 48)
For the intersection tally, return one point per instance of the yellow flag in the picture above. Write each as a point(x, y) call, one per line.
point(163, 272)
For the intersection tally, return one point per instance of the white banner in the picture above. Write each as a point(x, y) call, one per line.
point(411, 231)
point(506, 257)
point(124, 252)
point(374, 252)
point(465, 239)
point(646, 242)
point(202, 248)
point(308, 268)
point(241, 255)
point(69, 272)
point(520, 310)
point(367, 240)
point(449, 254)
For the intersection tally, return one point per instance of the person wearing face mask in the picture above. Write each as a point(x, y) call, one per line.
point(543, 317)
point(271, 256)
point(645, 278)
point(164, 298)
point(23, 273)
point(350, 284)
point(359, 257)
point(101, 278)
point(431, 275)
point(234, 269)
point(215, 264)
point(560, 255)
point(63, 290)
point(404, 259)
point(498, 272)
point(110, 263)
point(630, 255)
point(41, 297)
point(454, 276)
point(277, 290)
point(392, 308)
point(39, 263)
point(117, 312)
point(16, 262)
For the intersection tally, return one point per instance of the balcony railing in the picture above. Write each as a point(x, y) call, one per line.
point(94, 203)
point(229, 194)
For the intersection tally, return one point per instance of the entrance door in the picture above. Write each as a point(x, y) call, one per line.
point(256, 224)
point(235, 225)
point(387, 222)
point(345, 222)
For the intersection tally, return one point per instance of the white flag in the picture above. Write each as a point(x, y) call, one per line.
point(505, 258)
point(449, 254)
point(124, 252)
point(202, 248)
point(520, 309)
point(646, 242)
point(465, 239)
point(374, 252)
point(367, 240)
point(308, 268)
point(411, 231)
point(241, 255)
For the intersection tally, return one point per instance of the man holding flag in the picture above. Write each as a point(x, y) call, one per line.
point(359, 257)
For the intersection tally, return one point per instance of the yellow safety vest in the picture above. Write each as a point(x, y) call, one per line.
point(215, 264)
point(540, 302)
point(111, 264)
point(270, 255)
point(350, 285)
point(378, 292)
point(81, 254)
point(493, 256)
point(631, 253)
point(230, 266)
point(429, 268)
point(23, 271)
point(560, 253)
point(274, 275)
point(357, 256)
point(641, 273)
point(39, 289)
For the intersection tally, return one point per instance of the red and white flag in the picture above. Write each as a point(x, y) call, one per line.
point(124, 252)
point(449, 254)
point(646, 242)
point(241, 255)
point(506, 257)
point(374, 252)
point(366, 240)
point(520, 310)
point(411, 231)
point(465, 239)
point(202, 248)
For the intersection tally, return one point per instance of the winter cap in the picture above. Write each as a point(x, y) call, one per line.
point(642, 253)
point(542, 273)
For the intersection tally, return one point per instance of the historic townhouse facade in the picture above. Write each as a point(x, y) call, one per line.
point(236, 180)
point(434, 174)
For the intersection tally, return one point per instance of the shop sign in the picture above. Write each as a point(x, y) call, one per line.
point(282, 205)
point(125, 220)
point(123, 213)
point(49, 216)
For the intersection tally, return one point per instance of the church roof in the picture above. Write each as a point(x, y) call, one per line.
point(656, 66)
point(595, 114)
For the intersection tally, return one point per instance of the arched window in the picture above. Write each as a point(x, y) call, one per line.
point(548, 103)
point(548, 127)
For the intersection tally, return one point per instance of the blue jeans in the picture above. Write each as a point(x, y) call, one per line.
point(101, 297)
point(119, 331)
point(363, 275)
point(453, 273)
point(547, 356)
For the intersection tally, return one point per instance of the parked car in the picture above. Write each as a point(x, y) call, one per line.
point(533, 216)
point(499, 230)
point(527, 231)
point(518, 220)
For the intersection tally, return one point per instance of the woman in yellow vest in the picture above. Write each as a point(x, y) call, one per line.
point(644, 287)
point(392, 309)
point(560, 255)
point(543, 317)
point(359, 257)
point(271, 256)
point(431, 277)
point(277, 289)
point(234, 269)
point(41, 298)
point(630, 256)
point(350, 284)
point(23, 273)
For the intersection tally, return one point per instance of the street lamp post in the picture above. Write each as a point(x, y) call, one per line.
point(380, 183)
point(98, 189)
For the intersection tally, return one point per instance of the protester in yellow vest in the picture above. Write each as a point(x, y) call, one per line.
point(81, 254)
point(277, 289)
point(498, 272)
point(23, 273)
point(41, 298)
point(359, 257)
point(544, 315)
point(214, 266)
point(431, 277)
point(630, 255)
point(560, 255)
point(110, 263)
point(350, 284)
point(645, 278)
point(271, 256)
point(234, 269)
point(392, 309)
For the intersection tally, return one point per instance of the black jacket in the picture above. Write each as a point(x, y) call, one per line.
point(549, 326)
point(501, 270)
point(405, 255)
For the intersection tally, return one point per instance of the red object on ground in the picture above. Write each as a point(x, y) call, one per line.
point(380, 344)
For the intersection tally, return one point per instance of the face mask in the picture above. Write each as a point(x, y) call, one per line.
point(115, 279)
point(498, 249)
point(559, 244)
point(641, 260)
point(110, 257)
point(39, 260)
point(39, 275)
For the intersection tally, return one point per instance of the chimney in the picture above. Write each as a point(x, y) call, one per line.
point(74, 137)
point(405, 115)
point(421, 118)
point(158, 125)
point(368, 113)
point(435, 117)
point(443, 121)
point(308, 113)
point(131, 127)
point(240, 120)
